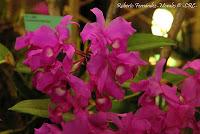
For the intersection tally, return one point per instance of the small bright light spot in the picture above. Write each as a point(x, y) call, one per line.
point(154, 59)
point(157, 56)
point(171, 62)
point(161, 22)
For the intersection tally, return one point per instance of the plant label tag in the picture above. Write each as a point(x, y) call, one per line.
point(34, 21)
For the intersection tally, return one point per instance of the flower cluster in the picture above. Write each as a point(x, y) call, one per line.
point(179, 114)
point(51, 60)
point(109, 65)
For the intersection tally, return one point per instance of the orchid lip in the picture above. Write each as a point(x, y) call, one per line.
point(120, 70)
point(115, 45)
point(101, 100)
point(49, 52)
point(60, 91)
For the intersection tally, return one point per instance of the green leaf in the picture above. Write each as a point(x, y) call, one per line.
point(6, 56)
point(117, 106)
point(143, 41)
point(68, 116)
point(37, 107)
point(173, 78)
point(23, 90)
point(126, 84)
point(20, 67)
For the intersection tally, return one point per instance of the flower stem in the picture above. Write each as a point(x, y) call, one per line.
point(80, 60)
point(172, 34)
point(78, 52)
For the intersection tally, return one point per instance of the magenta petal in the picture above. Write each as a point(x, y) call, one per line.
point(77, 126)
point(119, 46)
point(63, 33)
point(79, 87)
point(146, 112)
point(22, 42)
point(170, 94)
point(159, 69)
point(195, 64)
point(39, 58)
point(102, 79)
point(94, 33)
point(43, 37)
point(66, 20)
point(146, 100)
point(125, 76)
point(131, 58)
point(34, 52)
point(95, 64)
point(141, 86)
point(33, 59)
point(99, 119)
point(99, 16)
point(61, 28)
point(48, 129)
point(89, 31)
point(150, 117)
point(177, 71)
point(113, 89)
point(173, 130)
point(179, 116)
point(67, 65)
point(43, 80)
point(115, 30)
point(190, 90)
point(154, 88)
point(69, 50)
point(141, 126)
point(103, 103)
